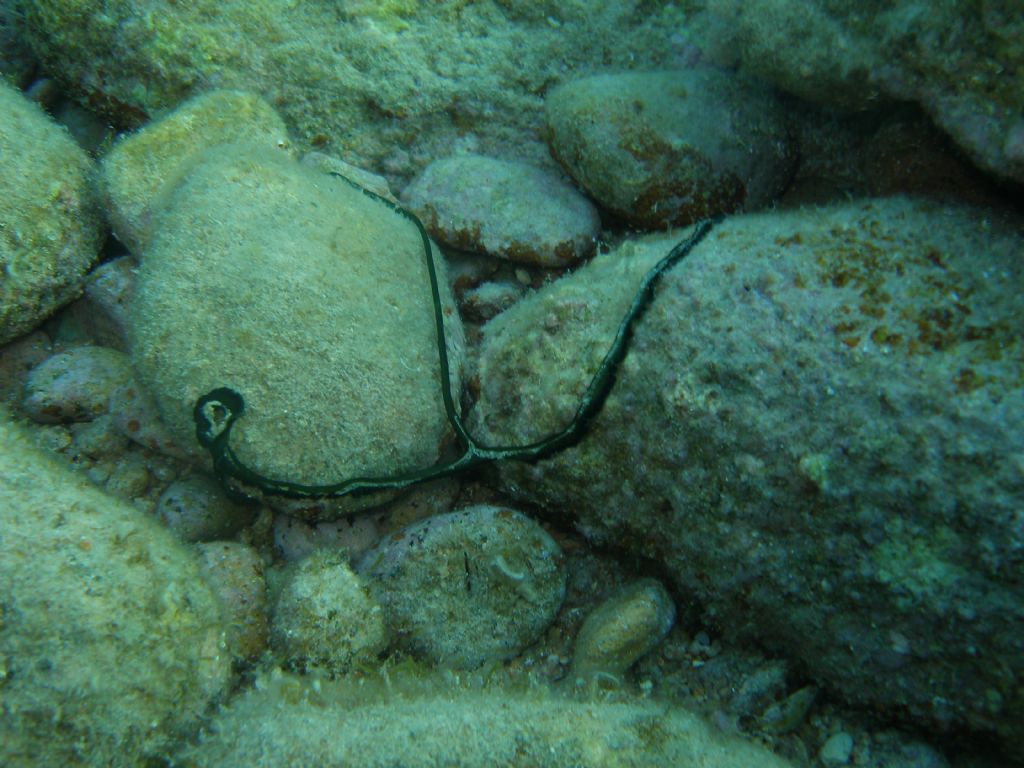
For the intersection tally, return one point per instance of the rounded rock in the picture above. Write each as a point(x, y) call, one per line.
point(110, 641)
point(144, 164)
point(197, 509)
point(74, 385)
point(506, 209)
point(665, 148)
point(50, 221)
point(835, 54)
point(98, 438)
point(311, 300)
point(295, 539)
point(622, 629)
point(487, 300)
point(467, 587)
point(793, 366)
point(135, 415)
point(836, 750)
point(17, 359)
point(129, 478)
point(102, 312)
point(324, 616)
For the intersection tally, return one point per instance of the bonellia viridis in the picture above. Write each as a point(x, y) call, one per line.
point(216, 412)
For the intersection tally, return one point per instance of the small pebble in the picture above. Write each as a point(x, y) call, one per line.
point(135, 415)
point(507, 209)
point(622, 629)
point(468, 270)
point(837, 749)
point(98, 438)
point(324, 617)
point(355, 535)
point(55, 438)
point(425, 500)
point(129, 479)
point(197, 509)
point(295, 539)
point(17, 359)
point(485, 301)
point(102, 311)
point(760, 689)
point(100, 471)
point(74, 385)
point(235, 573)
point(788, 714)
point(467, 587)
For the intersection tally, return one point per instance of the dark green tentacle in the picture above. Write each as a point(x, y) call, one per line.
point(216, 412)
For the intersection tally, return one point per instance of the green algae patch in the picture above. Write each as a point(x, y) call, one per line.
point(154, 159)
point(111, 645)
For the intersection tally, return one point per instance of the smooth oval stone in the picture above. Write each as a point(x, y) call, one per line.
point(659, 148)
point(506, 209)
point(467, 587)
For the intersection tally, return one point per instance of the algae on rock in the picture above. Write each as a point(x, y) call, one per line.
point(309, 298)
point(960, 61)
point(50, 225)
point(817, 431)
point(324, 616)
point(111, 644)
point(144, 165)
point(288, 721)
point(468, 587)
point(390, 86)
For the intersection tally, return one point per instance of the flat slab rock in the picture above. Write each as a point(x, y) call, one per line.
point(818, 431)
point(507, 209)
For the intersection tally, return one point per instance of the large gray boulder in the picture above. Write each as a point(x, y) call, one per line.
point(818, 431)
